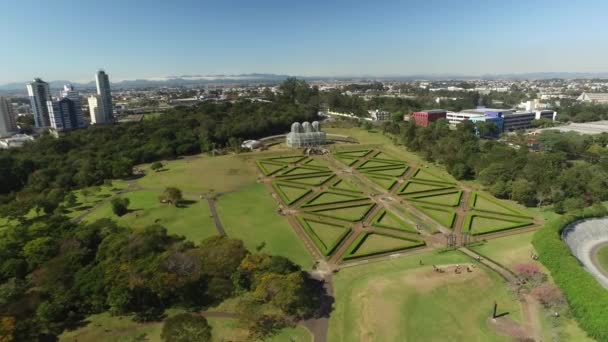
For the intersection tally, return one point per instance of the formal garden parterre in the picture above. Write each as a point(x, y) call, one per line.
point(337, 202)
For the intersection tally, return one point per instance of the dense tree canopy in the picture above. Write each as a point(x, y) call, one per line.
point(571, 171)
point(82, 158)
point(53, 273)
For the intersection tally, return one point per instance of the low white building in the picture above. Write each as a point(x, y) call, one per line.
point(380, 115)
point(16, 140)
point(593, 97)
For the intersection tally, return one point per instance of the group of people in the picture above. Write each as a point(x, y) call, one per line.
point(457, 269)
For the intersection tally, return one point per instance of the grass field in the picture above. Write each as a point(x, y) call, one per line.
point(602, 257)
point(517, 249)
point(251, 215)
point(193, 220)
point(372, 244)
point(104, 327)
point(351, 213)
point(324, 235)
point(451, 199)
point(481, 223)
point(417, 304)
point(445, 217)
point(386, 219)
point(364, 137)
point(510, 250)
point(332, 197)
point(201, 174)
point(229, 330)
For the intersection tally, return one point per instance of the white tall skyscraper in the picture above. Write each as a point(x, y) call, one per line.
point(105, 97)
point(96, 115)
point(39, 94)
point(8, 126)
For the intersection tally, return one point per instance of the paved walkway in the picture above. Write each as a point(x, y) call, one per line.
point(216, 217)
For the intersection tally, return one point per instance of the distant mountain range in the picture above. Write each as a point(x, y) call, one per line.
point(191, 80)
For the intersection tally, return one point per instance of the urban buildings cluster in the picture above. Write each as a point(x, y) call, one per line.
point(64, 112)
point(506, 120)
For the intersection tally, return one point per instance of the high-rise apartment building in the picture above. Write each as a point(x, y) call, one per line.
point(8, 125)
point(63, 115)
point(39, 94)
point(105, 97)
point(69, 93)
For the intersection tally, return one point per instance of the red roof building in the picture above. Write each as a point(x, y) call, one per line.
point(426, 117)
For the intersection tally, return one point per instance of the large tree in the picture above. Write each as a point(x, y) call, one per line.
point(186, 328)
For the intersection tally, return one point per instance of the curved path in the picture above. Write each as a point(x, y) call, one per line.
point(583, 238)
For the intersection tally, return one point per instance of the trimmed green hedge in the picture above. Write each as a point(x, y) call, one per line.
point(284, 196)
point(469, 221)
point(473, 205)
point(402, 225)
point(265, 170)
point(361, 240)
point(587, 298)
point(326, 250)
point(447, 222)
point(321, 212)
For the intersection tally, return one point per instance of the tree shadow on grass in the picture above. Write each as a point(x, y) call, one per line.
point(134, 176)
point(185, 203)
point(82, 207)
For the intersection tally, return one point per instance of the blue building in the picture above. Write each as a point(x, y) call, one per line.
point(496, 120)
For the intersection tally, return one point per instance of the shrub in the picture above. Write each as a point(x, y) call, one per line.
point(549, 295)
point(586, 297)
point(120, 206)
point(529, 272)
point(186, 328)
point(156, 166)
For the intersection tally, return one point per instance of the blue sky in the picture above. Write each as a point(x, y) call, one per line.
point(63, 39)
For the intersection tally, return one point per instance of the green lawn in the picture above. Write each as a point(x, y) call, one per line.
point(372, 244)
point(103, 327)
point(349, 213)
point(399, 300)
point(384, 182)
point(229, 330)
point(363, 136)
point(445, 217)
point(386, 219)
point(192, 221)
point(397, 172)
point(425, 175)
point(201, 174)
point(602, 257)
point(149, 116)
point(324, 235)
point(484, 203)
point(480, 223)
point(251, 215)
point(509, 251)
point(290, 193)
point(451, 199)
point(332, 197)
point(413, 187)
point(517, 249)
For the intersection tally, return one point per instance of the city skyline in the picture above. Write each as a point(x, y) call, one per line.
point(308, 39)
